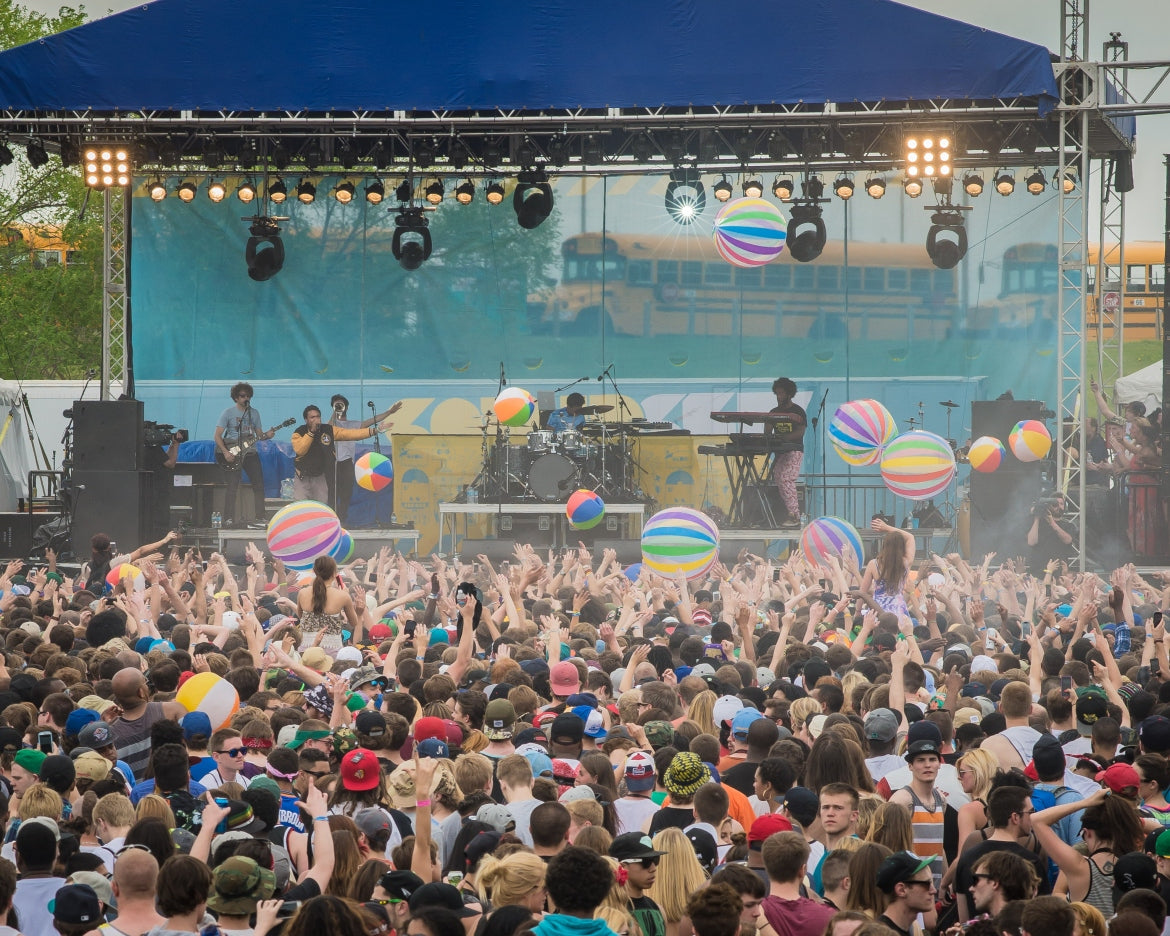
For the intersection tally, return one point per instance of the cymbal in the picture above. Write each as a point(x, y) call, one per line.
point(595, 410)
point(948, 404)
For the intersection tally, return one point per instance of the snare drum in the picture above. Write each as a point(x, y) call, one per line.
point(541, 441)
point(571, 442)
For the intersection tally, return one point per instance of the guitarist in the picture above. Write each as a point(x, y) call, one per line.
point(240, 425)
point(315, 447)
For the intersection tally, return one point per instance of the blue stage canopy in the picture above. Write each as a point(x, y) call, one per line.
point(460, 55)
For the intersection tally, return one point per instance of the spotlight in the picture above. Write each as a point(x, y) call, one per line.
point(753, 188)
point(533, 199)
point(306, 192)
point(1036, 183)
point(375, 192)
point(344, 192)
point(927, 154)
point(685, 196)
point(37, 154)
point(70, 154)
point(813, 187)
point(277, 192)
point(943, 186)
point(783, 188)
point(187, 191)
point(946, 242)
point(806, 232)
point(246, 192)
point(465, 192)
point(973, 184)
point(157, 190)
point(875, 187)
point(494, 193)
point(412, 240)
point(843, 188)
point(722, 189)
point(1005, 182)
point(265, 251)
point(913, 187)
point(434, 191)
point(6, 156)
point(216, 191)
point(405, 191)
point(1068, 181)
point(106, 165)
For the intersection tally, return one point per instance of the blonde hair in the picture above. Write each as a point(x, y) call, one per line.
point(618, 897)
point(867, 806)
point(586, 812)
point(802, 710)
point(153, 806)
point(891, 827)
point(1091, 920)
point(679, 874)
point(983, 764)
point(508, 880)
point(849, 683)
point(619, 921)
point(702, 712)
point(115, 810)
point(40, 801)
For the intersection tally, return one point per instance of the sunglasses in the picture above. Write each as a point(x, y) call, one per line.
point(980, 876)
point(929, 883)
point(385, 901)
point(233, 752)
point(646, 863)
point(134, 847)
point(316, 775)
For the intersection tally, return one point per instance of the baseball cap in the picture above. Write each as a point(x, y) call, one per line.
point(78, 719)
point(30, 759)
point(741, 720)
point(1162, 845)
point(317, 659)
point(725, 708)
point(639, 772)
point(567, 727)
point(371, 724)
point(765, 826)
point(360, 770)
point(1119, 776)
point(433, 747)
point(436, 894)
point(195, 723)
point(1133, 871)
point(496, 815)
point(564, 679)
point(594, 723)
point(538, 760)
point(899, 868)
point(400, 884)
point(705, 848)
point(802, 805)
point(101, 886)
point(1048, 757)
point(10, 740)
point(1154, 734)
point(76, 904)
point(90, 765)
point(633, 846)
point(96, 735)
point(659, 733)
point(1092, 704)
point(429, 727)
point(881, 725)
point(923, 737)
point(371, 820)
point(498, 719)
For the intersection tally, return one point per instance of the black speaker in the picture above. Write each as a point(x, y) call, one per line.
point(998, 417)
point(16, 534)
point(117, 503)
point(497, 550)
point(628, 551)
point(107, 435)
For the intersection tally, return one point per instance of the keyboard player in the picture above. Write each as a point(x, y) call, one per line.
point(790, 454)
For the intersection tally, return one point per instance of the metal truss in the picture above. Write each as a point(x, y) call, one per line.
point(1111, 247)
point(115, 293)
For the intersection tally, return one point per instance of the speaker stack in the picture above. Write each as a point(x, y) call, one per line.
point(113, 491)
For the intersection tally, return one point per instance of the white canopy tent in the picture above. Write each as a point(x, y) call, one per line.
point(1144, 385)
point(14, 455)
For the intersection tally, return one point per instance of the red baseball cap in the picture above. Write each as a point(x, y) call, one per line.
point(429, 727)
point(381, 632)
point(1119, 776)
point(765, 826)
point(360, 770)
point(564, 678)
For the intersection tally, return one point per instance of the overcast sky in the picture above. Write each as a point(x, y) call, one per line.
point(1037, 21)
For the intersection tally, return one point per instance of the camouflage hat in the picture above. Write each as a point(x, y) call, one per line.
point(659, 733)
point(238, 885)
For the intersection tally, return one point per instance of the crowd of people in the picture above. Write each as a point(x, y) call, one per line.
point(564, 746)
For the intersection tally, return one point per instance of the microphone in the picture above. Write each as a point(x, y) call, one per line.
point(563, 485)
point(503, 379)
point(370, 404)
point(79, 487)
point(601, 376)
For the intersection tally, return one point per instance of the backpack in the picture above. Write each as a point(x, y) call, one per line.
point(1042, 799)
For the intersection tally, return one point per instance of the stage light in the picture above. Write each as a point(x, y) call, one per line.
point(434, 191)
point(875, 187)
point(70, 154)
point(36, 153)
point(1036, 183)
point(494, 193)
point(722, 189)
point(277, 192)
point(375, 192)
point(306, 192)
point(532, 200)
point(912, 187)
point(405, 191)
point(806, 232)
point(813, 187)
point(927, 154)
point(157, 190)
point(344, 192)
point(246, 192)
point(753, 188)
point(843, 188)
point(946, 242)
point(1005, 182)
point(187, 191)
point(6, 156)
point(106, 165)
point(973, 184)
point(465, 192)
point(783, 188)
point(265, 251)
point(685, 196)
point(412, 239)
point(216, 190)
point(1068, 181)
point(943, 186)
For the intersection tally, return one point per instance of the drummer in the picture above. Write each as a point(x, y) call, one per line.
point(568, 416)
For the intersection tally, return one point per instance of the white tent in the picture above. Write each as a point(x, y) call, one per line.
point(14, 461)
point(1144, 385)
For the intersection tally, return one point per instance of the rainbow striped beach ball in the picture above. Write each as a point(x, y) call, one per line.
point(986, 454)
point(344, 549)
point(1029, 440)
point(302, 531)
point(584, 510)
point(679, 538)
point(373, 471)
point(514, 406)
point(750, 232)
point(859, 429)
point(918, 465)
point(830, 536)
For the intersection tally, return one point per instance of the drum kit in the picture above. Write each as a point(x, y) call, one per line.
point(960, 451)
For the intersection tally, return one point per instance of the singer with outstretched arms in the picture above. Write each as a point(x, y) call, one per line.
point(342, 478)
point(316, 455)
point(236, 433)
point(790, 454)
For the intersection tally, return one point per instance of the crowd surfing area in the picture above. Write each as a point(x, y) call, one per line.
point(563, 746)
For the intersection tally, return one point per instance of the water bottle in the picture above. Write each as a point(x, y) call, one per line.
point(216, 520)
point(472, 496)
point(393, 519)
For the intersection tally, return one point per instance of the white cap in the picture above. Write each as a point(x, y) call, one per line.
point(725, 708)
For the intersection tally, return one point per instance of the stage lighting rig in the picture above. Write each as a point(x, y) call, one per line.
point(157, 190)
point(1005, 182)
point(494, 193)
point(722, 190)
point(105, 166)
point(465, 192)
point(1036, 182)
point(806, 226)
point(277, 193)
point(6, 156)
point(344, 192)
point(36, 153)
point(753, 188)
point(843, 188)
point(246, 192)
point(264, 253)
point(375, 192)
point(187, 190)
point(685, 196)
point(973, 184)
point(216, 190)
point(412, 238)
point(783, 188)
point(533, 199)
point(875, 187)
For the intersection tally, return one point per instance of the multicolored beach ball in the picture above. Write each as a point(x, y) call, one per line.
point(1030, 440)
point(918, 464)
point(986, 454)
point(859, 430)
point(679, 538)
point(373, 471)
point(302, 531)
point(584, 510)
point(830, 536)
point(514, 406)
point(750, 232)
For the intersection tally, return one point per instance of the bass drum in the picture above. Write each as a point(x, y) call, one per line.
point(551, 477)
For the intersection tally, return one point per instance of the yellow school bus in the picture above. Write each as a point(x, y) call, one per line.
point(1139, 293)
point(44, 243)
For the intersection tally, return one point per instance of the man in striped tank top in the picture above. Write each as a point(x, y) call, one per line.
point(926, 804)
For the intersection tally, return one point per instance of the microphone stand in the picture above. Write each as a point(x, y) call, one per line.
point(568, 385)
point(820, 419)
point(377, 435)
point(624, 418)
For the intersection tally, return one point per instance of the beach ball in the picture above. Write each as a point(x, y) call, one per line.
point(679, 538)
point(750, 232)
point(918, 464)
point(125, 570)
point(633, 571)
point(373, 471)
point(514, 407)
point(585, 510)
point(212, 695)
point(302, 531)
point(344, 549)
point(830, 536)
point(859, 429)
point(1029, 440)
point(986, 454)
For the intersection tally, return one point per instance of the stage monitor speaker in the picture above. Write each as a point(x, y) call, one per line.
point(998, 417)
point(497, 550)
point(117, 503)
point(107, 435)
point(16, 534)
point(628, 551)
point(729, 550)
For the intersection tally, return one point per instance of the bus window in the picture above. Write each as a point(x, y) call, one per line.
point(853, 278)
point(827, 277)
point(718, 274)
point(920, 281)
point(747, 277)
point(46, 258)
point(777, 276)
point(1135, 277)
point(692, 273)
point(897, 280)
point(1092, 279)
point(944, 282)
point(668, 271)
point(803, 276)
point(1156, 277)
point(589, 268)
point(640, 272)
point(874, 279)
point(1112, 276)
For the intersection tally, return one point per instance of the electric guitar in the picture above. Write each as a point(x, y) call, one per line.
point(240, 449)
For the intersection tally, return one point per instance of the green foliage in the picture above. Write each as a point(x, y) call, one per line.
point(19, 25)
